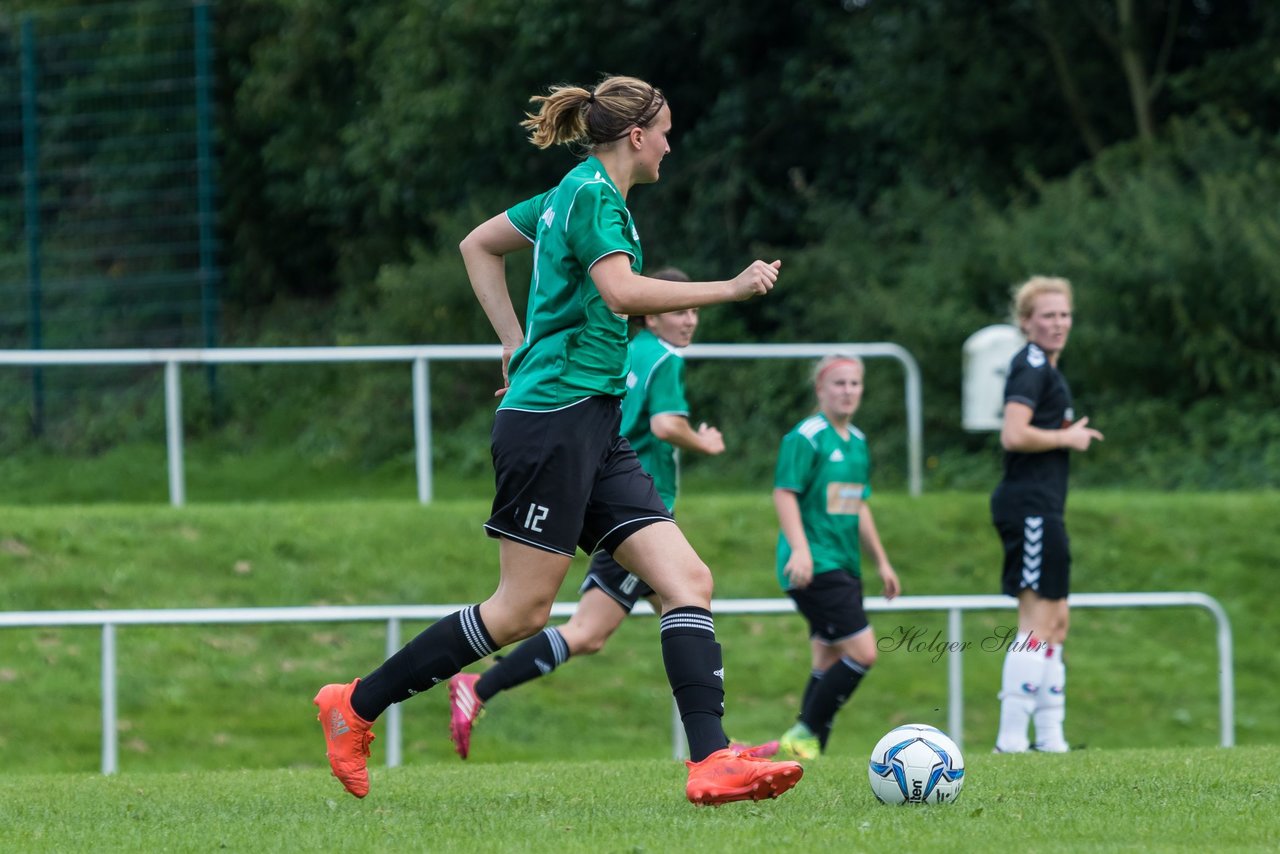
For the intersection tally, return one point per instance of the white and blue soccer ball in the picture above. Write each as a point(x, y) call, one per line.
point(916, 764)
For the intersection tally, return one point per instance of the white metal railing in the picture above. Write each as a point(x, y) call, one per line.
point(395, 614)
point(421, 356)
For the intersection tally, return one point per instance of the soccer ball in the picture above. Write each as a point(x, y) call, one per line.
point(916, 764)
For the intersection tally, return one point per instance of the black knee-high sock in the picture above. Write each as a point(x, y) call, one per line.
point(537, 656)
point(441, 650)
point(695, 670)
point(832, 691)
point(814, 677)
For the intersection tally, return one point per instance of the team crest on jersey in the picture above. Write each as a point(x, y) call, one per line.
point(1035, 356)
point(632, 379)
point(836, 456)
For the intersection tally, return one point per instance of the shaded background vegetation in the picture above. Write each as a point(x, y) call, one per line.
point(909, 162)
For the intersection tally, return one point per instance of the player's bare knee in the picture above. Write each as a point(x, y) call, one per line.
point(509, 626)
point(589, 644)
point(698, 582)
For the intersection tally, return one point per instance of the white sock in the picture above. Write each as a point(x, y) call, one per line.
point(1051, 702)
point(1019, 683)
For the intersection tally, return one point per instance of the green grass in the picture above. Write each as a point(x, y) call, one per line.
point(1114, 800)
point(233, 697)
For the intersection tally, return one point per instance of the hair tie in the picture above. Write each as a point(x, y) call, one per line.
point(654, 103)
point(591, 97)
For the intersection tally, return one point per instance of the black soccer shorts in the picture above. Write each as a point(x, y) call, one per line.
point(566, 479)
point(1037, 555)
point(832, 603)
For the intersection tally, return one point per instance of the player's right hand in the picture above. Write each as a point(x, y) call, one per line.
point(712, 441)
point(1080, 435)
point(507, 352)
point(799, 569)
point(757, 280)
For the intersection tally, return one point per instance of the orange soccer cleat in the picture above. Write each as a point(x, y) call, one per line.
point(347, 737)
point(727, 776)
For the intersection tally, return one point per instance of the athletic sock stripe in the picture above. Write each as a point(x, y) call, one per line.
point(688, 619)
point(856, 667)
point(678, 620)
point(559, 649)
point(474, 631)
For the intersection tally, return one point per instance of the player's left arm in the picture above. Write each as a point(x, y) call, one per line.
point(628, 292)
point(870, 539)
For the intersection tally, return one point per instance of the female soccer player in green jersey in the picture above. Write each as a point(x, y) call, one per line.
point(655, 420)
point(565, 478)
point(821, 487)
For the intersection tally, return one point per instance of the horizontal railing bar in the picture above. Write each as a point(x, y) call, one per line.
point(367, 613)
point(393, 353)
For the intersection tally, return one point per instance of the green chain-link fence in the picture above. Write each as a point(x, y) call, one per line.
point(107, 183)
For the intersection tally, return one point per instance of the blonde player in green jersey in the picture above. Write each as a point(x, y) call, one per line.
point(655, 420)
point(821, 487)
point(565, 479)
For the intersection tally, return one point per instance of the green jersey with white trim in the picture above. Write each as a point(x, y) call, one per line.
point(574, 346)
point(830, 477)
point(655, 386)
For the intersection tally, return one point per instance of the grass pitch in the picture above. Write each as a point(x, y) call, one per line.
point(1092, 800)
point(219, 746)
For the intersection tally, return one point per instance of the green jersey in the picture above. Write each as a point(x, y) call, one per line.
point(655, 386)
point(574, 346)
point(829, 476)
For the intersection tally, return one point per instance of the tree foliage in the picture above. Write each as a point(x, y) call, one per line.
point(908, 161)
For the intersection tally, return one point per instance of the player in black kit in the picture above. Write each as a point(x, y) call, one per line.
point(1039, 432)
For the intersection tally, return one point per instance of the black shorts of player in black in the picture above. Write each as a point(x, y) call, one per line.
point(832, 605)
point(1037, 554)
point(566, 479)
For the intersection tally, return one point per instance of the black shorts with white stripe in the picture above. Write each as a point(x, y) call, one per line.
point(565, 479)
point(615, 581)
point(1037, 555)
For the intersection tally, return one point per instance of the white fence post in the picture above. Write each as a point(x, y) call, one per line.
point(173, 433)
point(422, 427)
point(394, 722)
point(110, 730)
point(955, 678)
